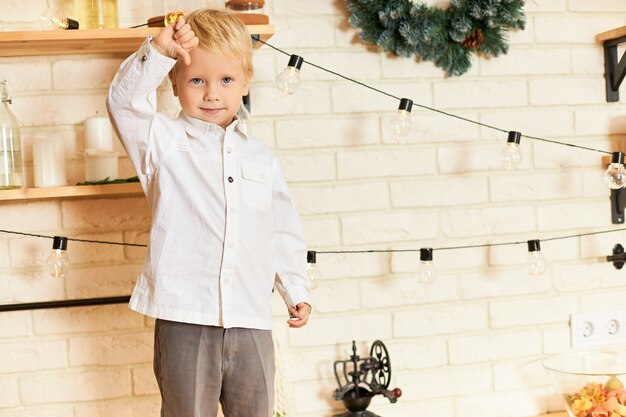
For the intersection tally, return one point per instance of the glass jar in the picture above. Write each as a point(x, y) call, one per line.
point(246, 6)
point(96, 14)
point(10, 144)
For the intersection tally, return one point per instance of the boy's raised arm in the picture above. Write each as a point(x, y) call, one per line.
point(132, 99)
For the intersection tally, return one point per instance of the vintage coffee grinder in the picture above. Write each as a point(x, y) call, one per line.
point(360, 379)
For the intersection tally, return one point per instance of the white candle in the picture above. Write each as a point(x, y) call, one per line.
point(98, 133)
point(100, 165)
point(49, 161)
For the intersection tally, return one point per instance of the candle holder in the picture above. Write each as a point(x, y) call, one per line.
point(360, 379)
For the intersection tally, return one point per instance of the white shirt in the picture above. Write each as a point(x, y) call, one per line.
point(224, 227)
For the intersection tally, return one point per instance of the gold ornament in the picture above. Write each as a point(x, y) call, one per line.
point(172, 17)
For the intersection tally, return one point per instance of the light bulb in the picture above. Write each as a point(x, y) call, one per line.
point(288, 81)
point(511, 156)
point(57, 263)
point(426, 273)
point(312, 271)
point(615, 175)
point(52, 19)
point(401, 122)
point(245, 119)
point(536, 262)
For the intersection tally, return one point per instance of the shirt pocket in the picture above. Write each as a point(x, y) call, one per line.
point(257, 188)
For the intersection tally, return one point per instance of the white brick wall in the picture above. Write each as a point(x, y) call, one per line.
point(45, 388)
point(470, 344)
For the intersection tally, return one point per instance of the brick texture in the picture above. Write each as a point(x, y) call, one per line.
point(468, 345)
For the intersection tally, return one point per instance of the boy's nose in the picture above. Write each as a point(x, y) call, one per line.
point(210, 94)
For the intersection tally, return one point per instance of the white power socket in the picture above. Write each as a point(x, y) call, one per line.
point(598, 328)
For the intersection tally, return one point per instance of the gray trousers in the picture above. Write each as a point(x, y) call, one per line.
point(198, 366)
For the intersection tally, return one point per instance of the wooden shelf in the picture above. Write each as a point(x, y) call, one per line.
point(78, 191)
point(609, 35)
point(88, 41)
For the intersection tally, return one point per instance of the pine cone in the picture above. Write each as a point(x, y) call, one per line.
point(474, 40)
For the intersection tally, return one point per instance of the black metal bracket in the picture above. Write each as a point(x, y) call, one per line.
point(618, 258)
point(618, 203)
point(65, 303)
point(614, 70)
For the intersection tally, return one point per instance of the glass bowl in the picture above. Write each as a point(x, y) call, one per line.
point(591, 383)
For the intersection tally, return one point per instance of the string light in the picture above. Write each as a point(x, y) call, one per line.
point(511, 155)
point(52, 19)
point(257, 38)
point(312, 271)
point(288, 81)
point(615, 175)
point(425, 253)
point(57, 263)
point(426, 273)
point(401, 123)
point(536, 262)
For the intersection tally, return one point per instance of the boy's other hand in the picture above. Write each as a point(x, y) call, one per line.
point(176, 41)
point(300, 315)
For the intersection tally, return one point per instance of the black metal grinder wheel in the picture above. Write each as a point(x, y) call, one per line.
point(360, 379)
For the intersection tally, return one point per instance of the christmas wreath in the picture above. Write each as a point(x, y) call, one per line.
point(447, 37)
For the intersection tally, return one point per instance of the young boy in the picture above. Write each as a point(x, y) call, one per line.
point(224, 228)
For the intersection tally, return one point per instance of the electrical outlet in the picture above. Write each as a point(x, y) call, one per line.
point(598, 328)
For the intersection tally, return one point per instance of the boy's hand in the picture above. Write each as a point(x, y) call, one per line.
point(299, 314)
point(176, 41)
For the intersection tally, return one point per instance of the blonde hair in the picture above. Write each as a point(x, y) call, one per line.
point(221, 32)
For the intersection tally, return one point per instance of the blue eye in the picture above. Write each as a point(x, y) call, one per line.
point(196, 81)
point(227, 80)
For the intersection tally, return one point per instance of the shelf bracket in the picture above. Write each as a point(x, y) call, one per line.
point(614, 69)
point(618, 258)
point(618, 203)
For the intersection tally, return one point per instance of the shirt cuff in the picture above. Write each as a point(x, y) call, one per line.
point(299, 295)
point(148, 51)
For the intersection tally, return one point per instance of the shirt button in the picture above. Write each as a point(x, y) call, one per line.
point(143, 58)
point(229, 149)
point(231, 245)
point(226, 280)
point(230, 179)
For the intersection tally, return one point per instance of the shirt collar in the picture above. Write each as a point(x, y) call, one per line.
point(198, 128)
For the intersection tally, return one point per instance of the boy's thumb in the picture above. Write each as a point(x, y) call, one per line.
point(184, 55)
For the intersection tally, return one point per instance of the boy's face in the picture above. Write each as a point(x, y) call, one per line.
point(211, 87)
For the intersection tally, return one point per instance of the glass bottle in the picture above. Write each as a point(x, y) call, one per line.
point(96, 14)
point(10, 145)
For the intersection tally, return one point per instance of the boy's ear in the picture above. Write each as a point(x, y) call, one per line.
point(172, 78)
point(246, 87)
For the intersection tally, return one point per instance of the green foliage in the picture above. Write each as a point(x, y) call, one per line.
point(108, 181)
point(445, 37)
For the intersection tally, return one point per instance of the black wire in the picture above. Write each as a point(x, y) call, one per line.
point(74, 239)
point(430, 108)
point(567, 144)
point(483, 245)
